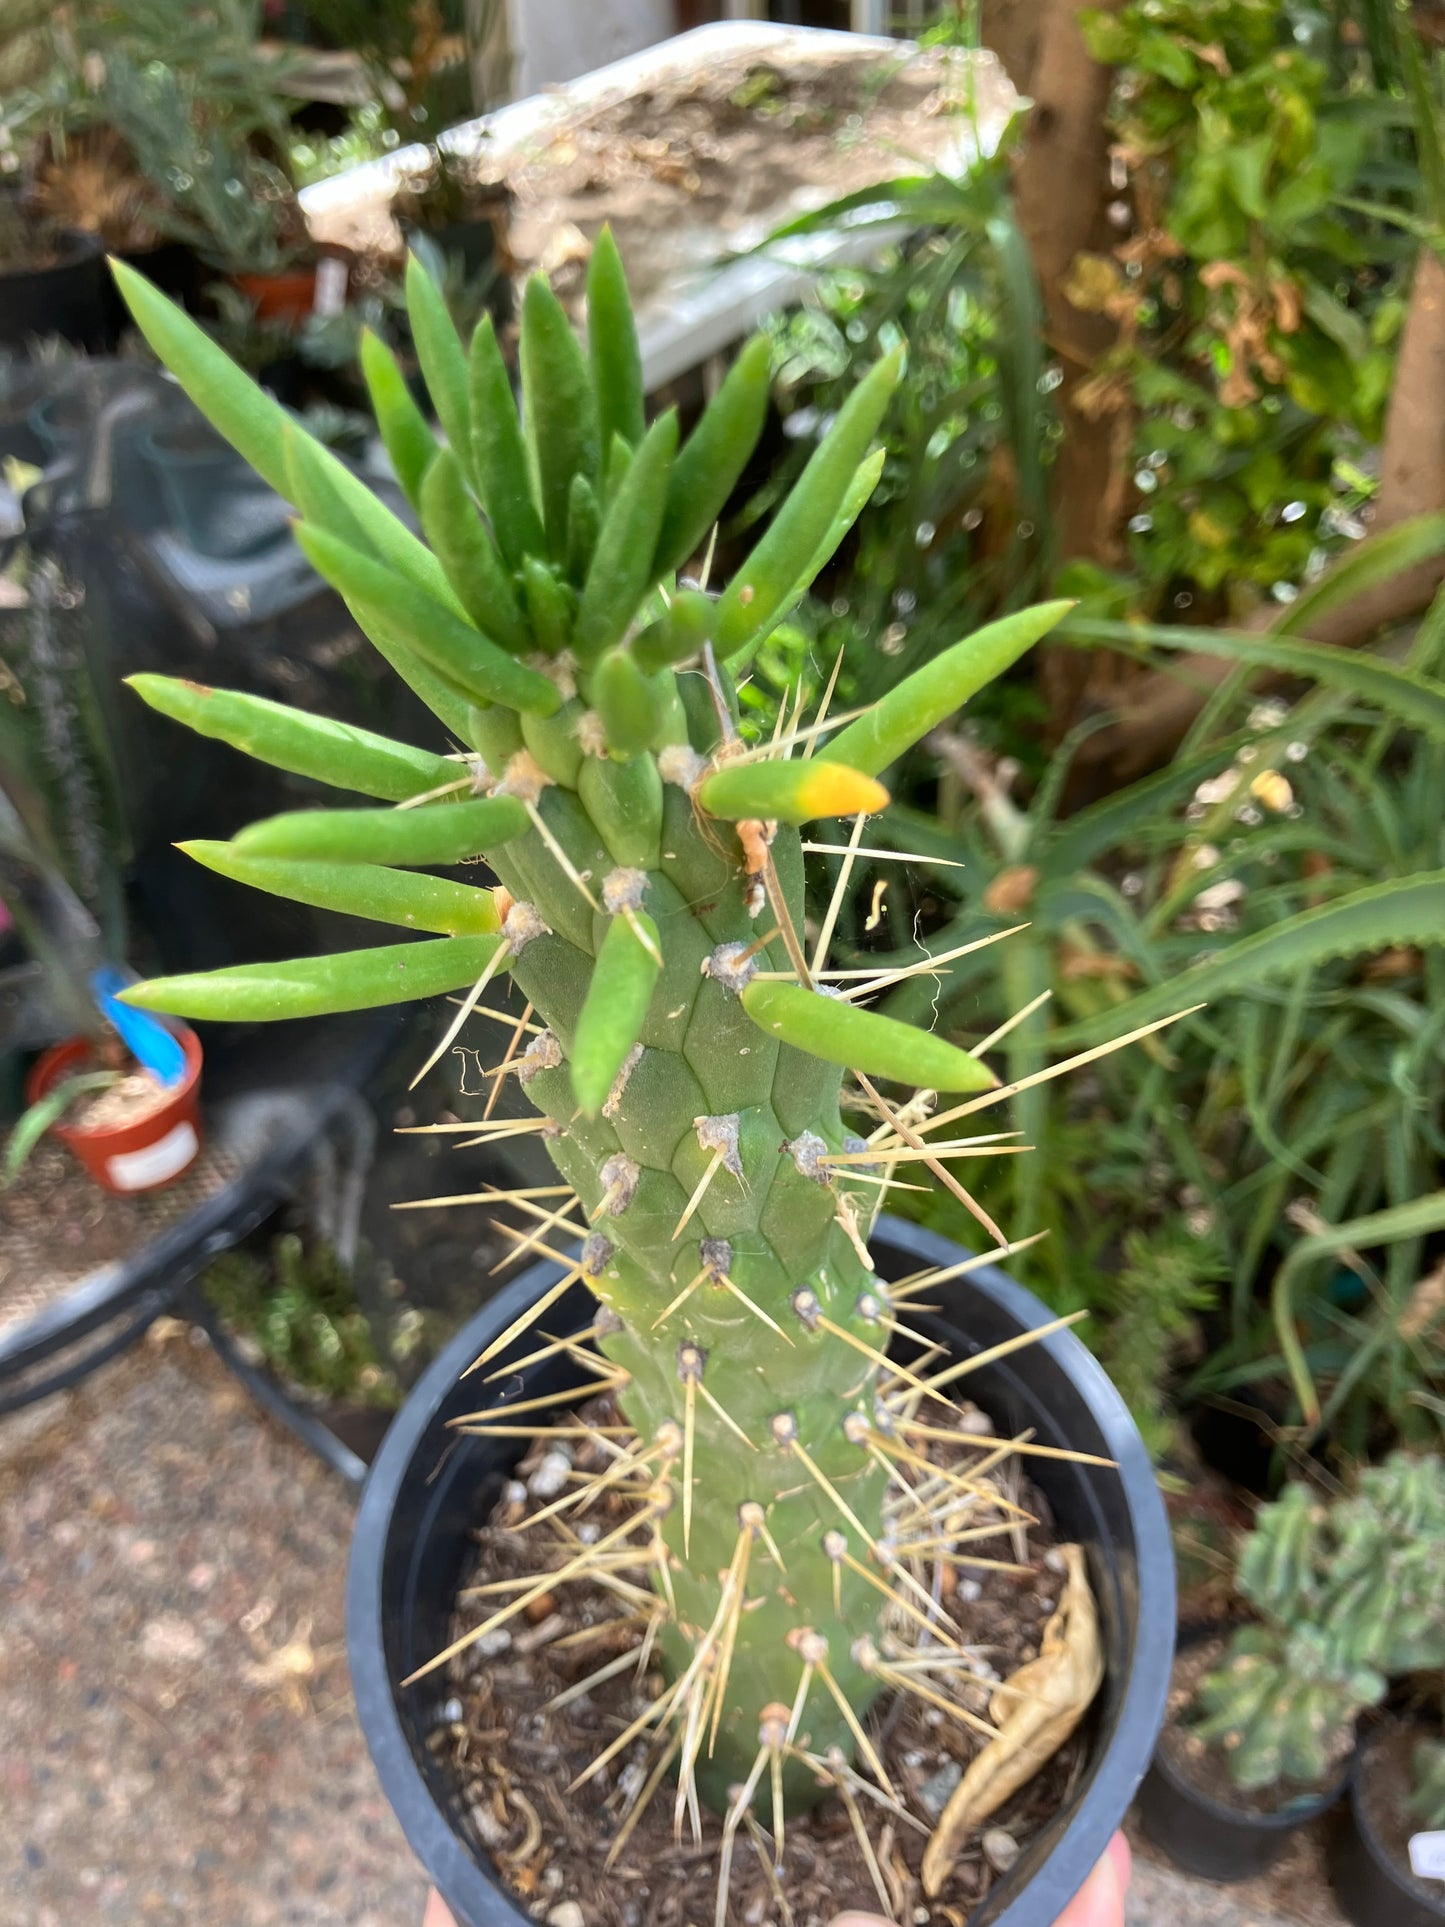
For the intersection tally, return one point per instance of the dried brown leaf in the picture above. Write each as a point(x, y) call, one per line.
point(1035, 1712)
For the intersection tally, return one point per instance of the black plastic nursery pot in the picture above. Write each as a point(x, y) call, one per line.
point(430, 1486)
point(68, 297)
point(1373, 1889)
point(1208, 1837)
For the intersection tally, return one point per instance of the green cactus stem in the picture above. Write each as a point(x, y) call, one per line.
point(650, 910)
point(1349, 1597)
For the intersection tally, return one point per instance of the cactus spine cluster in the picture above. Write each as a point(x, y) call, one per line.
point(650, 909)
point(1349, 1596)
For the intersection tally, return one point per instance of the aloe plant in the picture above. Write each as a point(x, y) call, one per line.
point(650, 908)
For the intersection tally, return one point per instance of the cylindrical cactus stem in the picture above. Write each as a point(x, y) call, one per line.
point(650, 909)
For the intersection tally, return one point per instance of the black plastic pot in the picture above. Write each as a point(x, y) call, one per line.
point(429, 1487)
point(68, 298)
point(1206, 1836)
point(1372, 1888)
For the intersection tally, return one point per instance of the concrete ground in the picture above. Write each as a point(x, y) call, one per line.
point(177, 1745)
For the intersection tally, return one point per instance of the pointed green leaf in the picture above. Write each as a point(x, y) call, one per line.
point(612, 346)
point(443, 360)
point(358, 890)
point(1414, 699)
point(436, 833)
point(711, 461)
point(862, 1040)
point(628, 703)
point(754, 596)
point(610, 1021)
point(504, 477)
point(559, 408)
point(1368, 565)
point(678, 634)
point(854, 502)
point(451, 705)
point(790, 791)
point(621, 571)
point(409, 442)
point(550, 606)
point(256, 425)
point(931, 694)
point(261, 993)
point(584, 524)
point(340, 754)
point(446, 641)
point(465, 549)
point(1404, 910)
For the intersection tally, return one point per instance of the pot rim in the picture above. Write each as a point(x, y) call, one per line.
point(52, 1062)
point(1100, 1810)
point(79, 246)
point(1369, 1838)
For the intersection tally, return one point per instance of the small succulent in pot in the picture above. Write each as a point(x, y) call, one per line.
point(686, 1049)
point(1349, 1598)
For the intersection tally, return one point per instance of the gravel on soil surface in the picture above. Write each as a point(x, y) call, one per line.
point(177, 1742)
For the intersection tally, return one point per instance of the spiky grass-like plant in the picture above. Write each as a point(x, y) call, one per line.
point(651, 911)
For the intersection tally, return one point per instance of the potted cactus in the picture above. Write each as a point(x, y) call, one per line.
point(1387, 1848)
point(1347, 1598)
point(686, 1047)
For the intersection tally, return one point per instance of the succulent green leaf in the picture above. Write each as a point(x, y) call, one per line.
point(438, 833)
point(465, 549)
point(443, 360)
point(931, 694)
point(395, 973)
point(619, 460)
point(790, 791)
point(550, 606)
point(448, 702)
point(553, 742)
point(449, 643)
point(861, 1040)
point(256, 426)
point(504, 476)
point(621, 570)
point(340, 754)
point(559, 408)
point(410, 445)
point(679, 633)
point(495, 734)
point(711, 461)
point(358, 890)
point(628, 702)
point(801, 525)
point(611, 1018)
point(584, 524)
point(854, 502)
point(612, 346)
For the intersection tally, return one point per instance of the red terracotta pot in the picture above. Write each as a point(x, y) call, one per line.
point(143, 1156)
point(289, 296)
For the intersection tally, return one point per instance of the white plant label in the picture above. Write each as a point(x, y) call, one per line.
point(331, 279)
point(138, 1170)
point(1427, 1856)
